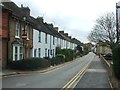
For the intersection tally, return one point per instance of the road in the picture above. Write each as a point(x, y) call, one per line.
point(57, 78)
point(96, 76)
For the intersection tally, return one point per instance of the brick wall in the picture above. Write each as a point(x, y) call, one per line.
point(4, 20)
point(29, 43)
point(4, 53)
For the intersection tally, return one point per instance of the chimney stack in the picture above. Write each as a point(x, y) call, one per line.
point(66, 34)
point(62, 32)
point(26, 10)
point(69, 37)
point(51, 25)
point(56, 28)
point(40, 19)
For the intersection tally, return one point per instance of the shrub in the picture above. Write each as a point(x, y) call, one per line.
point(58, 50)
point(68, 54)
point(29, 64)
point(116, 60)
point(60, 57)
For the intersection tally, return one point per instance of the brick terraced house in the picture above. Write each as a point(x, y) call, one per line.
point(15, 26)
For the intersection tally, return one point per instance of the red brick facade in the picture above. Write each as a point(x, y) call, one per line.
point(4, 34)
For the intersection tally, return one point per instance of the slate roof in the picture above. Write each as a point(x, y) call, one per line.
point(54, 32)
point(16, 11)
point(66, 37)
point(39, 25)
point(74, 40)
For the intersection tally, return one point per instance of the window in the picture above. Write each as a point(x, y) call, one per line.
point(21, 53)
point(64, 43)
point(57, 40)
point(45, 37)
point(45, 52)
point(39, 37)
point(17, 52)
point(53, 40)
point(53, 52)
point(39, 52)
point(27, 31)
point(48, 52)
point(35, 51)
point(17, 33)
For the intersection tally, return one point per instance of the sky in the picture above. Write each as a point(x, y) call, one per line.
point(75, 17)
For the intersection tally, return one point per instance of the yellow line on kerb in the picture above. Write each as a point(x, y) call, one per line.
point(77, 76)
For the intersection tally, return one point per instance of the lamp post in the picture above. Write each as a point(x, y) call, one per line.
point(24, 37)
point(117, 23)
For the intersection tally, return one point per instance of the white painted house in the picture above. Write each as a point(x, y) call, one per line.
point(46, 38)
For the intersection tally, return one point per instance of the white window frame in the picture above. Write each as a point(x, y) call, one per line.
point(45, 52)
point(18, 52)
point(35, 52)
point(27, 30)
point(45, 38)
point(39, 36)
point(53, 40)
point(17, 31)
point(21, 53)
point(39, 52)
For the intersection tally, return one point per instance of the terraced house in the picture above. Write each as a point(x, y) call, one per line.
point(43, 39)
point(17, 24)
point(24, 36)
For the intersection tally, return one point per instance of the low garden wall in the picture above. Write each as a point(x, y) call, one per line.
point(115, 83)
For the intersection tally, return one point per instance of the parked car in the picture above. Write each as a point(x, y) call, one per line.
point(108, 56)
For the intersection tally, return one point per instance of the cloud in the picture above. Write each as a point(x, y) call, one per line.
point(75, 17)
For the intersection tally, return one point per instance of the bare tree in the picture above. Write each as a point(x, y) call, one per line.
point(104, 30)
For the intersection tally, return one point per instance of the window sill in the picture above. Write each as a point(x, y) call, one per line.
point(27, 39)
point(17, 37)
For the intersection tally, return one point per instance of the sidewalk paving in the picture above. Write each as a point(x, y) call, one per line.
point(96, 76)
point(8, 72)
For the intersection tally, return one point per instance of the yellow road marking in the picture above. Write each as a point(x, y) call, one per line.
point(77, 76)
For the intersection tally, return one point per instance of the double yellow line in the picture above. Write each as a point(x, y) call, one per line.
point(72, 83)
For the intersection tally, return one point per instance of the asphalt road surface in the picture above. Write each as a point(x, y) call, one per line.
point(53, 79)
point(96, 76)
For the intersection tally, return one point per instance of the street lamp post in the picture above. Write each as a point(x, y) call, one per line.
point(117, 25)
point(24, 37)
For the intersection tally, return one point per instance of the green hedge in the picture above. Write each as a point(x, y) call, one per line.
point(59, 58)
point(30, 64)
point(116, 60)
point(69, 55)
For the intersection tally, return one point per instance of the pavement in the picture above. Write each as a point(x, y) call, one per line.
point(96, 76)
point(9, 72)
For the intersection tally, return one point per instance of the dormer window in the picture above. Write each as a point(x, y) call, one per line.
point(17, 32)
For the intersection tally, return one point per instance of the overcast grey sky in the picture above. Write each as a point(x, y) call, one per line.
point(75, 17)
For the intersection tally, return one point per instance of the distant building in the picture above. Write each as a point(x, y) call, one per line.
point(103, 49)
